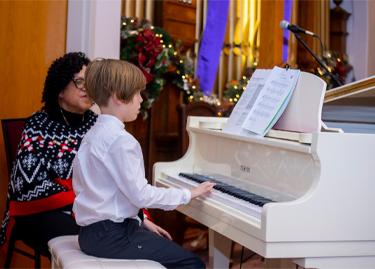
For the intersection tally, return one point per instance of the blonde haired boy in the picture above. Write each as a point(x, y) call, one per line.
point(109, 179)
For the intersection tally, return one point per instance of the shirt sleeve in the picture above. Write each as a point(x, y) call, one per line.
point(125, 164)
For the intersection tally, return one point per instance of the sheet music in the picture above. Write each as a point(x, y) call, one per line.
point(246, 102)
point(271, 101)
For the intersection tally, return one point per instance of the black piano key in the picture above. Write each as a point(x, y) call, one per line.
point(230, 190)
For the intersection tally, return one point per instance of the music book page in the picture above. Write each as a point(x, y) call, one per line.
point(271, 101)
point(246, 102)
point(263, 102)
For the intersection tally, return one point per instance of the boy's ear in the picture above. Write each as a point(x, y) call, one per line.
point(116, 100)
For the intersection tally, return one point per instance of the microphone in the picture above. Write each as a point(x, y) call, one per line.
point(294, 28)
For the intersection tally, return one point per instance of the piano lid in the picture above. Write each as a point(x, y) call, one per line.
point(351, 107)
point(364, 88)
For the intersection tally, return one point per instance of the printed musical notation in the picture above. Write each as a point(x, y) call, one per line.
point(271, 101)
point(263, 101)
point(246, 102)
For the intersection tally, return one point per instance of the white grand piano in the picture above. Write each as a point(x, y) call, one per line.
point(316, 187)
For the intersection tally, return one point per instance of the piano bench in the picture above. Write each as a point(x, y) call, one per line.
point(66, 254)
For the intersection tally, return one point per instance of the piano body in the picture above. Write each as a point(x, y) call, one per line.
point(321, 187)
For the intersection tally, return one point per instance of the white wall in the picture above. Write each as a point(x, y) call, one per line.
point(94, 28)
point(371, 39)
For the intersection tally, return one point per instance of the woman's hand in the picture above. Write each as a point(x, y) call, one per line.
point(205, 187)
point(149, 225)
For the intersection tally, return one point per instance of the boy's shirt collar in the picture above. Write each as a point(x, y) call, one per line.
point(105, 118)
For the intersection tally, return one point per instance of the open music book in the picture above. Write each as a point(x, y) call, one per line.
point(263, 102)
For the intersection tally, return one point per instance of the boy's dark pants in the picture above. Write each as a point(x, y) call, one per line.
point(126, 240)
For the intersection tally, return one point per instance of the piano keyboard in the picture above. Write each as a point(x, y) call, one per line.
point(239, 199)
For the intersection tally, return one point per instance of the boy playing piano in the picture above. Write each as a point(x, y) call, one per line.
point(109, 179)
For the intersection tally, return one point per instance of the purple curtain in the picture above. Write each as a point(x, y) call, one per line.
point(287, 14)
point(212, 43)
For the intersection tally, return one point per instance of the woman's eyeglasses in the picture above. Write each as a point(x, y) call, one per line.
point(80, 83)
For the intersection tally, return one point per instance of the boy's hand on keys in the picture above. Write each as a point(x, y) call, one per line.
point(205, 187)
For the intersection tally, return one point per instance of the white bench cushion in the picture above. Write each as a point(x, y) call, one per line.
point(66, 254)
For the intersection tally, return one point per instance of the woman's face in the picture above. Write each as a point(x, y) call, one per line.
point(73, 99)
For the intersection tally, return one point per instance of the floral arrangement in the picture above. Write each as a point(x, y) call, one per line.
point(336, 64)
point(151, 49)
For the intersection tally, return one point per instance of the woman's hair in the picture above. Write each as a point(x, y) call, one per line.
point(60, 73)
point(104, 77)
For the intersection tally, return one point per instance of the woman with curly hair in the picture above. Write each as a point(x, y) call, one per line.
point(40, 194)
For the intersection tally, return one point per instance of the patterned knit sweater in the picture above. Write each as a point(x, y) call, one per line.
point(41, 177)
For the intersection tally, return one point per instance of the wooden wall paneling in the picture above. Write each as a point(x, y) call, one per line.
point(140, 9)
point(163, 129)
point(178, 19)
point(140, 129)
point(292, 54)
point(198, 108)
point(128, 8)
point(278, 33)
point(321, 26)
point(163, 147)
point(324, 24)
point(271, 35)
point(306, 18)
point(33, 34)
point(338, 29)
point(149, 13)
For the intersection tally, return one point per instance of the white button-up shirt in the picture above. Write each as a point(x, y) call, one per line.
point(109, 177)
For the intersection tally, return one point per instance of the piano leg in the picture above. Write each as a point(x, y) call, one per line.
point(219, 250)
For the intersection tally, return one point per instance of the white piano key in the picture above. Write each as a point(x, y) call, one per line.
point(239, 204)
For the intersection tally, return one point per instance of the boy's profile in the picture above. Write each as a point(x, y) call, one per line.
point(109, 179)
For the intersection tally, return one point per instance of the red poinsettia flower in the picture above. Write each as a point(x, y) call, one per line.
point(150, 46)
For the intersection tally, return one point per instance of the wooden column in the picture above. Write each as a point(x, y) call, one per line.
point(306, 16)
point(338, 31)
point(271, 35)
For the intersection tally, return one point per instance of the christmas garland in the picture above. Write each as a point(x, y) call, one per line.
point(152, 50)
point(234, 89)
point(337, 64)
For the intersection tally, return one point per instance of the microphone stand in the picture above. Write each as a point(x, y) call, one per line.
point(335, 80)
